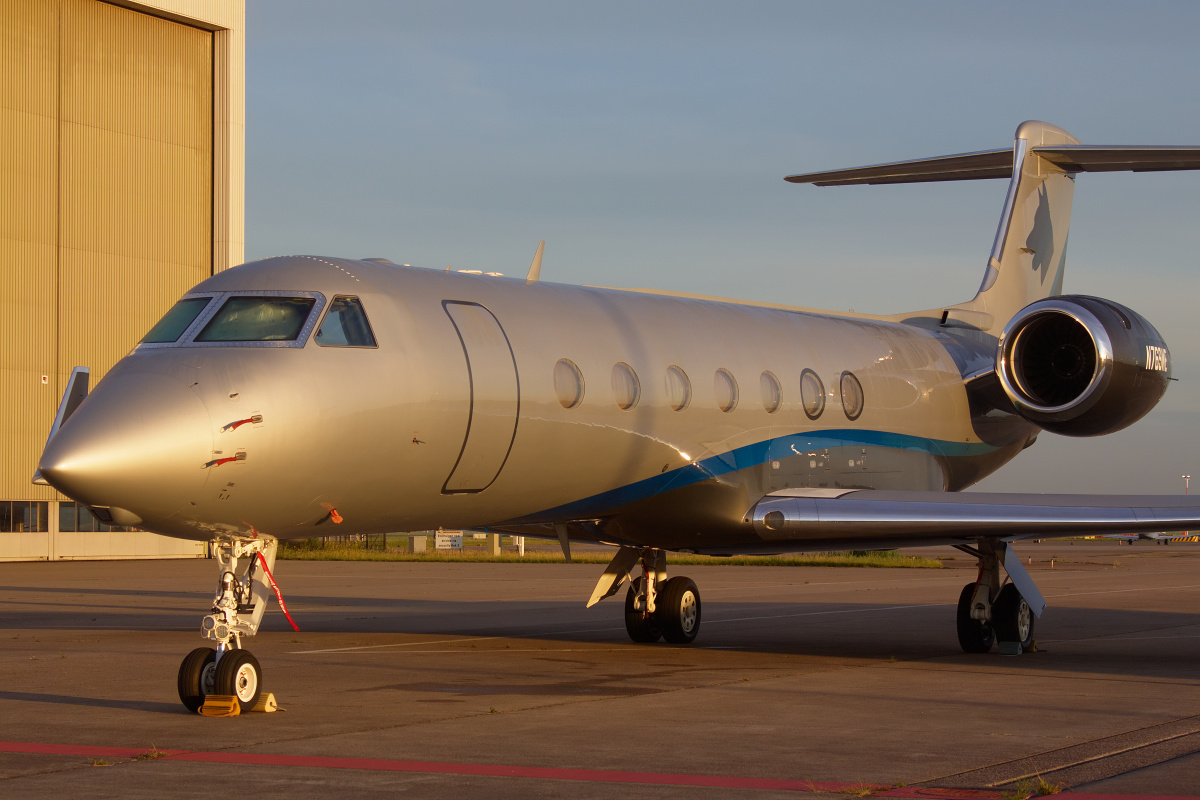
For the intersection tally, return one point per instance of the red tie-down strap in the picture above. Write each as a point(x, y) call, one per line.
point(278, 596)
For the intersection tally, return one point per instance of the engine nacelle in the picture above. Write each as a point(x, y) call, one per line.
point(1082, 366)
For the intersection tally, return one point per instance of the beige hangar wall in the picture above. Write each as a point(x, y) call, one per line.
point(122, 130)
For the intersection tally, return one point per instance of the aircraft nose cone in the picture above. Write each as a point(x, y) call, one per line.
point(138, 442)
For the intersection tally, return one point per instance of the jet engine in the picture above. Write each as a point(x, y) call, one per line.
point(1082, 366)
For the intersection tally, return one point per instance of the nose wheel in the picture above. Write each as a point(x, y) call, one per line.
point(243, 589)
point(239, 674)
point(196, 677)
point(234, 673)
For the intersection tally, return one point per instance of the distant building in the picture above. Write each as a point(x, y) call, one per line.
point(122, 172)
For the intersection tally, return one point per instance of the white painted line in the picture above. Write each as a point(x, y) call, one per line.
point(1123, 591)
point(395, 644)
point(709, 621)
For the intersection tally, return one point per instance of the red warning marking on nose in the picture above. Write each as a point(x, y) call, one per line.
point(216, 462)
point(233, 426)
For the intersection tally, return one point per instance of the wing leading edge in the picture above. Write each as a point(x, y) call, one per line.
point(900, 518)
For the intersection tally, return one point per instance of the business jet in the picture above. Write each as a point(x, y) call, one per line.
point(303, 396)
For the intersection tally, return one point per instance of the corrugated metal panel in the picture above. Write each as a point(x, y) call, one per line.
point(28, 237)
point(135, 175)
point(29, 56)
point(105, 211)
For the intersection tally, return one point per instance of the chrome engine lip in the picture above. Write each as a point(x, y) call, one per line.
point(1011, 335)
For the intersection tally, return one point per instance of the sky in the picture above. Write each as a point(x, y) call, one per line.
point(646, 143)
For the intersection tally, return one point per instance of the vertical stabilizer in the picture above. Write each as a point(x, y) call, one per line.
point(1030, 249)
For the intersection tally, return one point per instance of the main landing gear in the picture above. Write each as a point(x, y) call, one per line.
point(656, 607)
point(991, 611)
point(238, 607)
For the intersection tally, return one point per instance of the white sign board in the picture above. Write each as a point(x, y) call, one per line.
point(447, 540)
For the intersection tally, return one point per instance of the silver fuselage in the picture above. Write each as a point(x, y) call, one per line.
point(433, 427)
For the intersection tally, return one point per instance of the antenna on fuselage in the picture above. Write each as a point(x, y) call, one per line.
point(535, 269)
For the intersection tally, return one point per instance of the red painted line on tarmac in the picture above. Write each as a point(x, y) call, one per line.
point(537, 773)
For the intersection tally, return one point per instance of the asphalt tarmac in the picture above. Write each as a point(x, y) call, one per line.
point(493, 680)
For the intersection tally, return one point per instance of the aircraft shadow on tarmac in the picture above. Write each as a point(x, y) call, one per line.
point(1163, 644)
point(96, 702)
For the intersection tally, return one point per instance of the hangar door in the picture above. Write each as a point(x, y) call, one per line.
point(495, 398)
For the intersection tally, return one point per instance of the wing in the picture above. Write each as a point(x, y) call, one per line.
point(802, 518)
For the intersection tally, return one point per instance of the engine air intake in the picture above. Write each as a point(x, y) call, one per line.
point(1081, 366)
point(1053, 359)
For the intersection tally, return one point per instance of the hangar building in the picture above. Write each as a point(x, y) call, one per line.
point(122, 171)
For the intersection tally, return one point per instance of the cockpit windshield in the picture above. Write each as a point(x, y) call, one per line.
point(176, 321)
point(345, 325)
point(258, 319)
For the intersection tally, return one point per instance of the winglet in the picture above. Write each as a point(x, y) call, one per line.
point(535, 270)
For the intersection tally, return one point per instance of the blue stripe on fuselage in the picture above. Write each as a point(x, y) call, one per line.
point(750, 455)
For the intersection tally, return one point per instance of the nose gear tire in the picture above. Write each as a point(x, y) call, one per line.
point(192, 677)
point(239, 674)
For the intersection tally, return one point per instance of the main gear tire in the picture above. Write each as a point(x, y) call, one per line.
point(1012, 617)
point(677, 609)
point(642, 628)
point(973, 636)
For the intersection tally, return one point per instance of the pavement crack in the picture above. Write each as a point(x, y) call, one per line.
point(1087, 762)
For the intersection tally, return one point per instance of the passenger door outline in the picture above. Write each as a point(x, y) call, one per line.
point(490, 435)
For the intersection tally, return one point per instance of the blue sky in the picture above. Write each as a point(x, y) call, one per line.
point(646, 143)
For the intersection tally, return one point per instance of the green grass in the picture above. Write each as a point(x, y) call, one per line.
point(315, 550)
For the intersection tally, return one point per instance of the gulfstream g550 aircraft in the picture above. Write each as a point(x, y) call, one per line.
point(298, 396)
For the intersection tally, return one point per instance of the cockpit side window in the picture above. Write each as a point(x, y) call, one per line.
point(258, 319)
point(345, 325)
point(176, 321)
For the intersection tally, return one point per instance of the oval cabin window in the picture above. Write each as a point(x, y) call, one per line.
point(726, 390)
point(679, 388)
point(812, 394)
point(852, 396)
point(627, 389)
point(568, 383)
point(772, 392)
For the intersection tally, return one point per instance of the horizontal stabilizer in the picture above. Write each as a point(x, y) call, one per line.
point(999, 164)
point(1100, 158)
point(961, 167)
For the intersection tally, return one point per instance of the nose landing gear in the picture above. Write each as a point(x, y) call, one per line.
point(240, 601)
